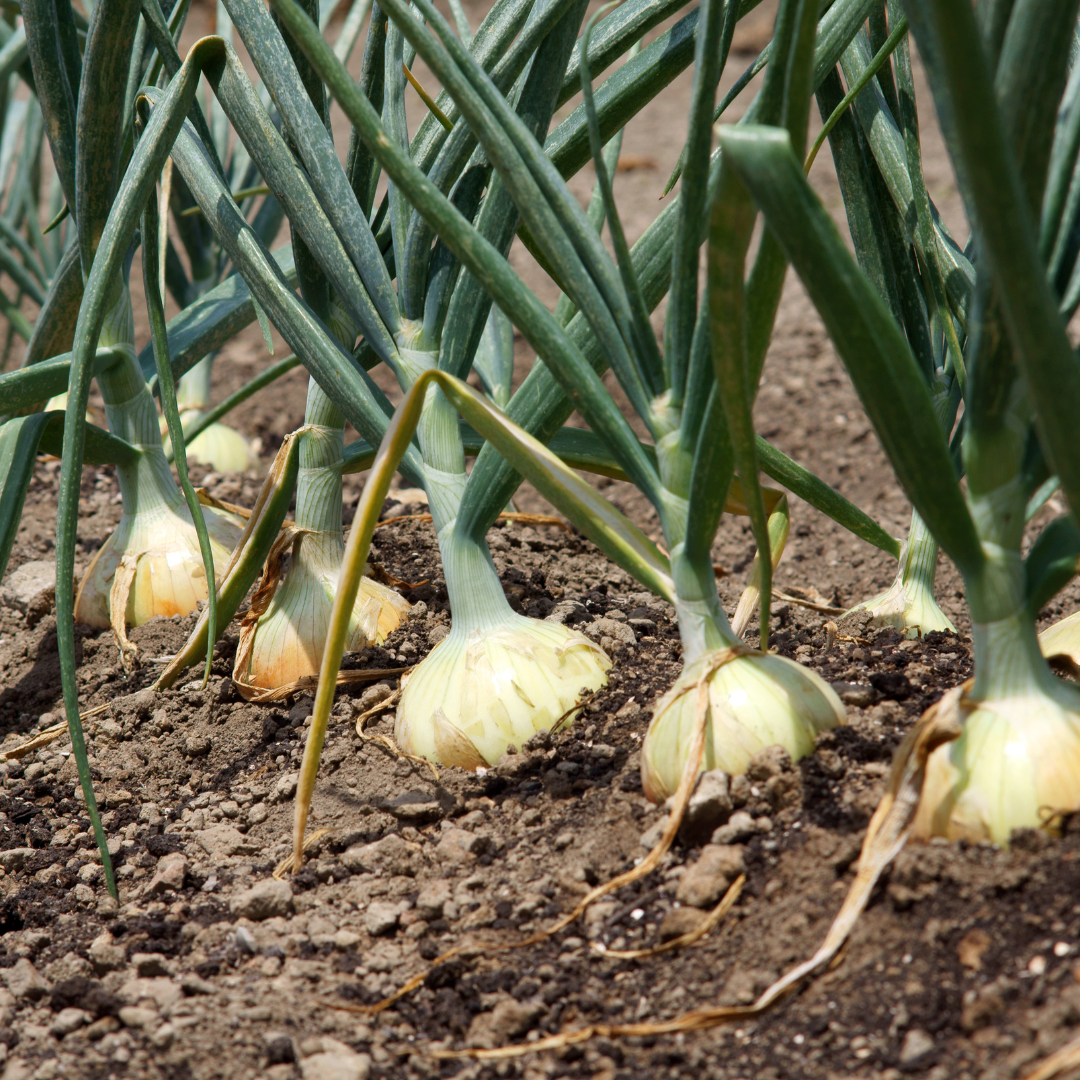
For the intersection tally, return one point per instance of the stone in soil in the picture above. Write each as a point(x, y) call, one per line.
point(265, 900)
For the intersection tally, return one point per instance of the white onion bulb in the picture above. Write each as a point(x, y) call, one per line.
point(482, 690)
point(755, 700)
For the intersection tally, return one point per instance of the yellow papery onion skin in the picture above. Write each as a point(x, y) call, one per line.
point(481, 691)
point(290, 637)
point(1016, 765)
point(755, 700)
point(170, 578)
point(1063, 638)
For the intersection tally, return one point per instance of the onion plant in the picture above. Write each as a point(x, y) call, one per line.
point(997, 90)
point(473, 186)
point(323, 353)
point(166, 546)
point(155, 563)
point(436, 317)
point(677, 395)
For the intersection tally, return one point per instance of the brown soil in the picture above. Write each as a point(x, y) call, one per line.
point(965, 964)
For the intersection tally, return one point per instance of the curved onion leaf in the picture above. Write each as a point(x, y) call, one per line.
point(136, 187)
point(616, 535)
point(1052, 562)
point(870, 343)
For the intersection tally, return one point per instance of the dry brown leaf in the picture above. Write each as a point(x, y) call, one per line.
point(711, 921)
point(42, 738)
point(633, 162)
point(523, 519)
point(286, 866)
point(123, 579)
point(384, 577)
point(385, 705)
point(811, 599)
point(1063, 1064)
point(207, 499)
point(262, 696)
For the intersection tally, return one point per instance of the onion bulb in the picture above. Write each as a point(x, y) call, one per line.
point(755, 700)
point(1017, 762)
point(485, 689)
point(283, 637)
point(219, 446)
point(160, 548)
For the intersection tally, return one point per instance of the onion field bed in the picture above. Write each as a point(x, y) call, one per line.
point(965, 965)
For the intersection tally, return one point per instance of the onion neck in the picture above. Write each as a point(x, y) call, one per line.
point(477, 600)
point(998, 590)
point(703, 625)
point(437, 430)
point(1008, 661)
point(148, 483)
point(318, 484)
point(918, 563)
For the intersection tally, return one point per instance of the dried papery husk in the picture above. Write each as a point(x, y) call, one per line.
point(160, 549)
point(283, 635)
point(1016, 765)
point(756, 700)
point(482, 690)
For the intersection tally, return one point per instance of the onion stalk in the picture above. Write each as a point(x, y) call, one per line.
point(909, 604)
point(426, 327)
point(498, 677)
point(152, 563)
point(284, 634)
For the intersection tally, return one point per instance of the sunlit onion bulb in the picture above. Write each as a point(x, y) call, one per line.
point(756, 700)
point(219, 447)
point(170, 578)
point(290, 636)
point(1016, 764)
point(480, 691)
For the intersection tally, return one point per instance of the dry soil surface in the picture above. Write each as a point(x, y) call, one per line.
point(965, 965)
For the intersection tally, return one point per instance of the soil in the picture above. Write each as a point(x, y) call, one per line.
point(965, 965)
